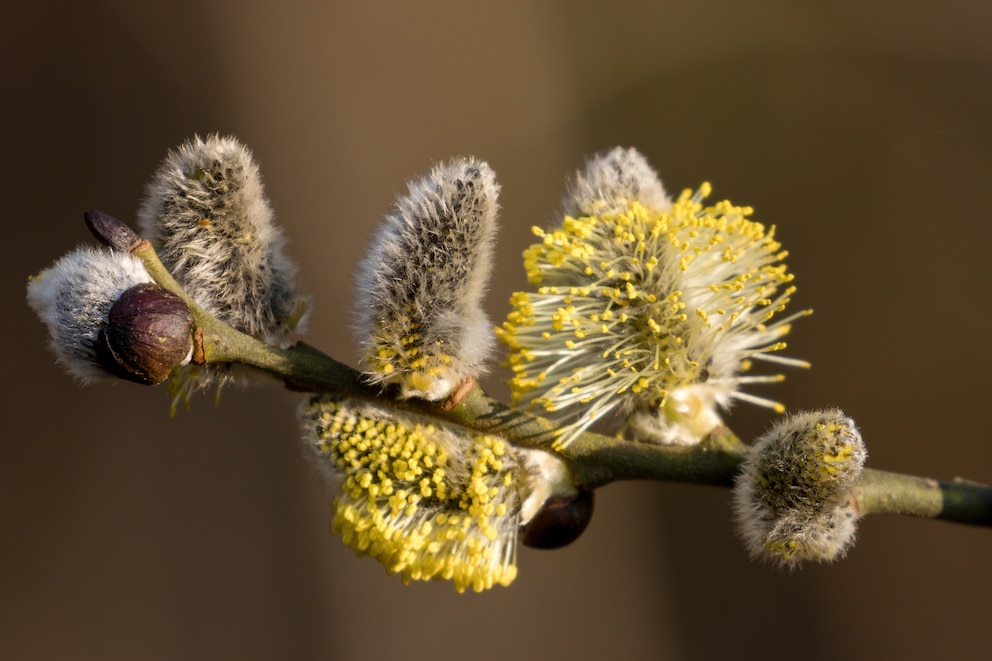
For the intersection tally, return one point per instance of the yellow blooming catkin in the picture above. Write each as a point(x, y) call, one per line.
point(428, 501)
point(648, 312)
point(794, 496)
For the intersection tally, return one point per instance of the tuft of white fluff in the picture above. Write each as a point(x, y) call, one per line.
point(611, 181)
point(73, 298)
point(207, 216)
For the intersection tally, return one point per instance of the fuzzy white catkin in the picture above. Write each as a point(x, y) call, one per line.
point(611, 181)
point(73, 298)
point(419, 290)
point(207, 216)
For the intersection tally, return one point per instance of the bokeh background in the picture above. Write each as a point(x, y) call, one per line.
point(860, 129)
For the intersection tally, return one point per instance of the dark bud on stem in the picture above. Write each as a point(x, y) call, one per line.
point(110, 231)
point(149, 332)
point(560, 521)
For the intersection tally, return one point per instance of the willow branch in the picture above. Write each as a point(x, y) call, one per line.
point(595, 459)
point(880, 492)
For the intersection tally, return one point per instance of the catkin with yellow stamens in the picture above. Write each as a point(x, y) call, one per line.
point(419, 316)
point(648, 316)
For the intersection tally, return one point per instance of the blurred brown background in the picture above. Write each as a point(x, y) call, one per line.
point(861, 129)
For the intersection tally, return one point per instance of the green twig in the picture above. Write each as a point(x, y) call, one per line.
point(881, 492)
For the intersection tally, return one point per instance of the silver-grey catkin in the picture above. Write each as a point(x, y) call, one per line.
point(611, 181)
point(207, 216)
point(419, 316)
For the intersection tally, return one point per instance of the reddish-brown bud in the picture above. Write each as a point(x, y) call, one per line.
point(149, 332)
point(560, 521)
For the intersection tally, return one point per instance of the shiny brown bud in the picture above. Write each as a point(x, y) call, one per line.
point(560, 521)
point(149, 332)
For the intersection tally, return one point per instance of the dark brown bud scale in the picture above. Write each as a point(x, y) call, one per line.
point(560, 521)
point(149, 332)
point(110, 231)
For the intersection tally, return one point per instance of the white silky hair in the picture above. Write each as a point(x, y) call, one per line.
point(611, 181)
point(429, 263)
point(207, 216)
point(73, 298)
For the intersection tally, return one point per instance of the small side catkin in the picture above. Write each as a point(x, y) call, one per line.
point(612, 181)
point(206, 214)
point(73, 298)
point(794, 499)
point(419, 290)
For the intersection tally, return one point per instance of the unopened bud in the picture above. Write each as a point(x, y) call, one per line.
point(110, 231)
point(149, 332)
point(560, 521)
